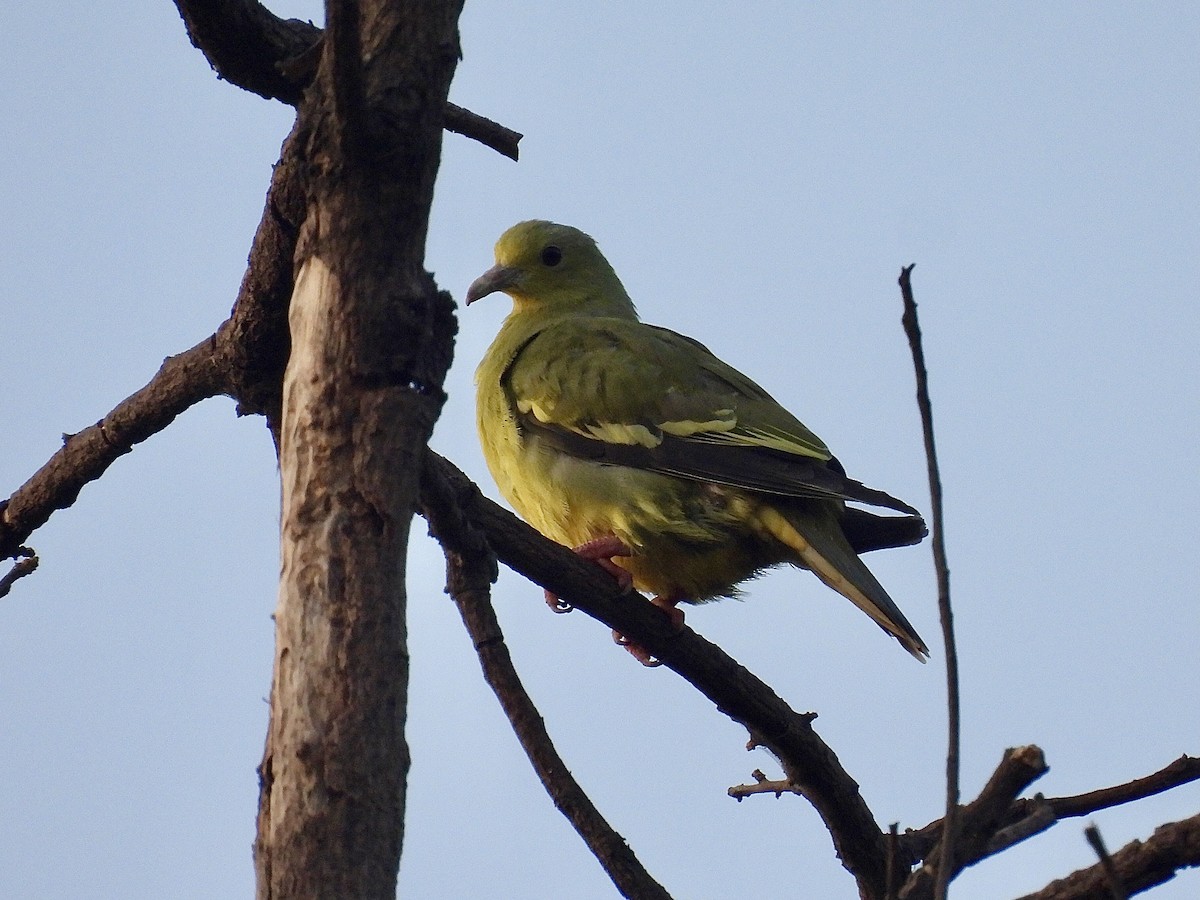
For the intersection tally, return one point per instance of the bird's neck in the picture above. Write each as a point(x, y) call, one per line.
point(604, 301)
point(528, 317)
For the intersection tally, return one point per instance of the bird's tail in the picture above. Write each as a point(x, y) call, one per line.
point(866, 531)
point(817, 538)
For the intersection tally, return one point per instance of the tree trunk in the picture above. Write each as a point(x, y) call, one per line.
point(371, 342)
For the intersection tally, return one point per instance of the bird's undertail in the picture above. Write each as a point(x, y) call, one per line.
point(866, 531)
point(822, 547)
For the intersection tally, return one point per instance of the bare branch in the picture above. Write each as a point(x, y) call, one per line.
point(1181, 771)
point(254, 342)
point(1039, 819)
point(1028, 816)
point(1139, 865)
point(980, 819)
point(913, 330)
point(248, 45)
point(1111, 879)
point(808, 761)
point(244, 359)
point(491, 134)
point(22, 567)
point(182, 381)
point(470, 570)
point(606, 844)
point(245, 43)
point(1019, 768)
point(762, 785)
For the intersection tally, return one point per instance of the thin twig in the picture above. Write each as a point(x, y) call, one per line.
point(1040, 819)
point(19, 570)
point(606, 844)
point(1180, 771)
point(1115, 888)
point(913, 330)
point(763, 785)
point(479, 128)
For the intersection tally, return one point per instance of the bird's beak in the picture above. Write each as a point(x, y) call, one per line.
point(497, 278)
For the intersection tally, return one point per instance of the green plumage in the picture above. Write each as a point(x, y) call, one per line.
point(595, 424)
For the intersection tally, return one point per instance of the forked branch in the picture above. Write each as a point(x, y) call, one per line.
point(248, 45)
point(470, 571)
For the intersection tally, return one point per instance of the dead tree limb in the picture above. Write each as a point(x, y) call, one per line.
point(371, 341)
point(181, 381)
point(1029, 815)
point(912, 329)
point(470, 572)
point(26, 564)
point(808, 761)
point(1181, 771)
point(249, 46)
point(979, 820)
point(1140, 865)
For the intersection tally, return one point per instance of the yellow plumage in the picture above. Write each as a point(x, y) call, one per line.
point(596, 425)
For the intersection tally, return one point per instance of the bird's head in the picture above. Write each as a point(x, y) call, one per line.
point(543, 265)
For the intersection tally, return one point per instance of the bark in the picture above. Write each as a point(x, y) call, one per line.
point(1136, 867)
point(371, 339)
point(248, 45)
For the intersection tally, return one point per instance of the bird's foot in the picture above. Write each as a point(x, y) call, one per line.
point(600, 551)
point(640, 653)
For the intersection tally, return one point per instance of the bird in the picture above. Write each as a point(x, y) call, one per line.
point(642, 450)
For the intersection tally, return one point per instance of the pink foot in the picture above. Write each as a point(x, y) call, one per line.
point(600, 551)
point(640, 653)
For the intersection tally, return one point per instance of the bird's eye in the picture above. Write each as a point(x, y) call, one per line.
point(551, 255)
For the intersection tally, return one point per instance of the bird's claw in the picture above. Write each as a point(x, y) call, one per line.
point(640, 653)
point(600, 551)
point(637, 651)
point(557, 604)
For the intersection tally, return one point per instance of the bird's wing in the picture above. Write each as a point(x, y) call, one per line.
point(621, 392)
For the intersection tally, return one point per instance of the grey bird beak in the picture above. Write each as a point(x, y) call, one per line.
point(497, 278)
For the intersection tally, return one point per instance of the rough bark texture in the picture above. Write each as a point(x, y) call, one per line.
point(371, 341)
point(245, 43)
point(1136, 867)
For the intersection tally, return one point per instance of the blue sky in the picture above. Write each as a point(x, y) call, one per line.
point(757, 177)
